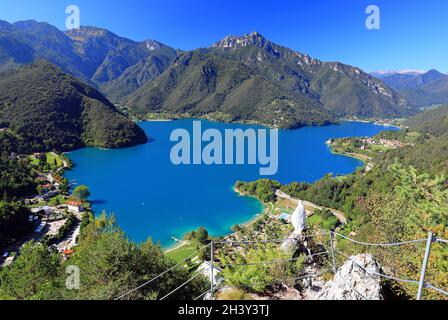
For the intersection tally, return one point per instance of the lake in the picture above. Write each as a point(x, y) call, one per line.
point(151, 197)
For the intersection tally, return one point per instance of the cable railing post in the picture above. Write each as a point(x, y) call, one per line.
point(212, 266)
point(333, 253)
point(421, 284)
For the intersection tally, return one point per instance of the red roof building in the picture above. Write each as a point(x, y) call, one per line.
point(68, 252)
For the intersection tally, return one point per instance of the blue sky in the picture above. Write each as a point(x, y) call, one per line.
point(413, 35)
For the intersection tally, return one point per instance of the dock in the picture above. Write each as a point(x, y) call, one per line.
point(177, 240)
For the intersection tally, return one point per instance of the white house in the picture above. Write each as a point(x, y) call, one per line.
point(74, 206)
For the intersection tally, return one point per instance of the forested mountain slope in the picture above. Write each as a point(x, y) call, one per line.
point(42, 108)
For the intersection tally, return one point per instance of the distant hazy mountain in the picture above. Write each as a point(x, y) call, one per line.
point(411, 81)
point(250, 78)
point(95, 55)
point(422, 89)
point(45, 109)
point(383, 73)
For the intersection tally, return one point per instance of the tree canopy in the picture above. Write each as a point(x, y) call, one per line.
point(82, 192)
point(109, 264)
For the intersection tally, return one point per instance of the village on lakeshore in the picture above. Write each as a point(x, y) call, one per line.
point(55, 214)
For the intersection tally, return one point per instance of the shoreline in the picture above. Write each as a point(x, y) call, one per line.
point(176, 246)
point(352, 155)
point(158, 120)
point(251, 221)
point(257, 216)
point(380, 122)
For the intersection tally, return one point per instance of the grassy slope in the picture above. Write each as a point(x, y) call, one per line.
point(432, 121)
point(182, 252)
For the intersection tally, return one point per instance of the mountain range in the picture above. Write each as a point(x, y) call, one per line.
point(251, 78)
point(97, 56)
point(421, 89)
point(380, 74)
point(240, 78)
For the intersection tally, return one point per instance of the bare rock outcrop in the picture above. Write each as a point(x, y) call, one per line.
point(357, 279)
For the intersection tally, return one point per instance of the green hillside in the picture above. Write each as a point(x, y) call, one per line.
point(430, 155)
point(401, 197)
point(200, 83)
point(42, 108)
point(432, 121)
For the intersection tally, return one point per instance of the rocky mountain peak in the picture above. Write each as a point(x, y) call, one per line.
point(253, 38)
point(152, 45)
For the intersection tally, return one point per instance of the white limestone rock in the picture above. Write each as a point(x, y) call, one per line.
point(351, 282)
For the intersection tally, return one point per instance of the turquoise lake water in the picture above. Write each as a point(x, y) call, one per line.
point(151, 197)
